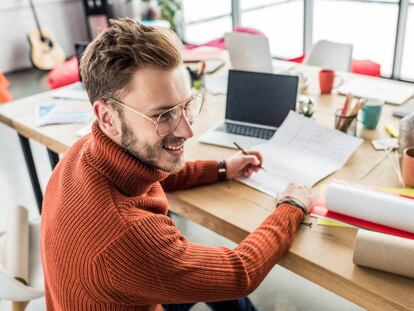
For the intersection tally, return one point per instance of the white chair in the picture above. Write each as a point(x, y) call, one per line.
point(13, 290)
point(330, 55)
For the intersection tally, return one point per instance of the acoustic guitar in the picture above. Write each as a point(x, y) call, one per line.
point(45, 51)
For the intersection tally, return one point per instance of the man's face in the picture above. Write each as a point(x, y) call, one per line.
point(152, 91)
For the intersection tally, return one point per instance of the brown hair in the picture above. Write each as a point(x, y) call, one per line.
point(109, 61)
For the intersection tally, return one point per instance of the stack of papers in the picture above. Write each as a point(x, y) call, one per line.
point(301, 151)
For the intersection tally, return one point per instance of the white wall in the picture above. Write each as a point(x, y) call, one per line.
point(64, 17)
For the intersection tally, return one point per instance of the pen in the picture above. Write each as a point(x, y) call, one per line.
point(201, 69)
point(245, 153)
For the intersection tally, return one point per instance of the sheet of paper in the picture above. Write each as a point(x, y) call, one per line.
point(63, 112)
point(75, 91)
point(217, 84)
point(382, 144)
point(301, 151)
point(387, 91)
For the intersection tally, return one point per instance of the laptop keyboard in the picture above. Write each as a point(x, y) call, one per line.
point(245, 130)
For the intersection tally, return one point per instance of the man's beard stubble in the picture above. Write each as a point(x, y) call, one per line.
point(128, 141)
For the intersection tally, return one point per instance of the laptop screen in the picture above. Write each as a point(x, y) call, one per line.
point(260, 98)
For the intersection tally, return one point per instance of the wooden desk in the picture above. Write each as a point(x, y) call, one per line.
point(320, 254)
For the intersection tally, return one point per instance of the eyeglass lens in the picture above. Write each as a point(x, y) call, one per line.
point(169, 120)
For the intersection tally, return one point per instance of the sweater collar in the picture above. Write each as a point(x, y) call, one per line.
point(126, 172)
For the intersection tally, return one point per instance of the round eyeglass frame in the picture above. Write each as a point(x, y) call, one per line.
point(181, 105)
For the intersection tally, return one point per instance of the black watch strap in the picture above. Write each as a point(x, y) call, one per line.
point(294, 203)
point(222, 170)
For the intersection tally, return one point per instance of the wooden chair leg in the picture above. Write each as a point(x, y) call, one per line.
point(19, 305)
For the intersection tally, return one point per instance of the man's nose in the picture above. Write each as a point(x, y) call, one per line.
point(184, 128)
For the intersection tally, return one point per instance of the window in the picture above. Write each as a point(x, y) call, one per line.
point(369, 25)
point(205, 20)
point(407, 66)
point(280, 21)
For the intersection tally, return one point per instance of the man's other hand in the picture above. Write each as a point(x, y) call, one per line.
point(302, 195)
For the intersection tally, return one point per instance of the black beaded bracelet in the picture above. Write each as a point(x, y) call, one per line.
point(222, 170)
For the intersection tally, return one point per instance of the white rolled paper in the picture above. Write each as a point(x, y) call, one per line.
point(384, 252)
point(17, 243)
point(371, 205)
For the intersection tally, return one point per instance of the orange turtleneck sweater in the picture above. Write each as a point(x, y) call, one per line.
point(107, 243)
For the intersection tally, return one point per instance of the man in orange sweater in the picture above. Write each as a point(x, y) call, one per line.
point(107, 242)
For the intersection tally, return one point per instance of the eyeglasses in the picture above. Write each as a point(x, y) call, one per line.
point(166, 122)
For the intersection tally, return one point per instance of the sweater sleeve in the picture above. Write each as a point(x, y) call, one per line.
point(153, 263)
point(194, 173)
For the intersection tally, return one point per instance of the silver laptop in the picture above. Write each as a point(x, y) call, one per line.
point(252, 53)
point(249, 52)
point(257, 104)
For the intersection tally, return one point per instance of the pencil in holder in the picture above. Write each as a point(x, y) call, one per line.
point(346, 124)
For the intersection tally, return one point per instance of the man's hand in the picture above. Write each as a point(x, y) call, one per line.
point(298, 193)
point(240, 165)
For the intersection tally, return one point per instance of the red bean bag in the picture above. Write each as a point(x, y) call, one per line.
point(5, 95)
point(64, 74)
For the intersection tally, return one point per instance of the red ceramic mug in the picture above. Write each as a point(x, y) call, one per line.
point(407, 166)
point(326, 80)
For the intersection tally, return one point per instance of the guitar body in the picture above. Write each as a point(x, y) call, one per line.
point(46, 53)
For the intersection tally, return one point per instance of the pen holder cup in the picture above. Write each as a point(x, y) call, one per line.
point(197, 81)
point(346, 124)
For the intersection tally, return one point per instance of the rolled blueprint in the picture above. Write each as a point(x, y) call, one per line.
point(384, 252)
point(17, 244)
point(375, 206)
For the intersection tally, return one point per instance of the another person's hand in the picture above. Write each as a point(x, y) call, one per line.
point(302, 195)
point(240, 165)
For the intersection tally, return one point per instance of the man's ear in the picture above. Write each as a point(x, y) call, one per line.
point(107, 118)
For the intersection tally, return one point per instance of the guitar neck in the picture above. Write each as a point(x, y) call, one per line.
point(36, 20)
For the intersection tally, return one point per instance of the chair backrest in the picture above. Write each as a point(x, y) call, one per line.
point(330, 55)
point(10, 288)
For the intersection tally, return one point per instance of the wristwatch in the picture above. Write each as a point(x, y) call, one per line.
point(222, 170)
point(294, 203)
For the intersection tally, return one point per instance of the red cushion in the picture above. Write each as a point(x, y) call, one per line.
point(297, 59)
point(366, 67)
point(219, 42)
point(64, 74)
